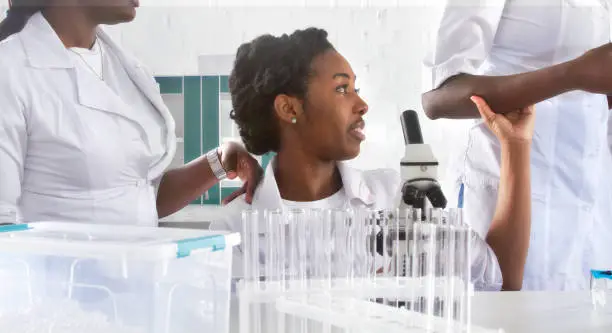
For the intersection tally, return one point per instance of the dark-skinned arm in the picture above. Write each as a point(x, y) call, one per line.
point(179, 187)
point(184, 184)
point(502, 93)
point(590, 72)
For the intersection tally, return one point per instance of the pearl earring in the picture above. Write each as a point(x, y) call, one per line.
point(293, 120)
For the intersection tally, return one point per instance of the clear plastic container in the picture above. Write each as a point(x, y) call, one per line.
point(75, 278)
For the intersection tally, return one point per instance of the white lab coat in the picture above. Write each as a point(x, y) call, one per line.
point(65, 153)
point(571, 231)
point(371, 190)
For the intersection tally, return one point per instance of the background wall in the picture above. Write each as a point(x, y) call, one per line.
point(384, 43)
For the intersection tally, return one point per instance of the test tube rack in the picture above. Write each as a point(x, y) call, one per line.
point(343, 270)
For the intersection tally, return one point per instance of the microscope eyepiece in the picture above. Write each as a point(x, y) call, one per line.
point(411, 127)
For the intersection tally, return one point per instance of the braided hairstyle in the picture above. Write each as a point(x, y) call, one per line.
point(265, 68)
point(18, 15)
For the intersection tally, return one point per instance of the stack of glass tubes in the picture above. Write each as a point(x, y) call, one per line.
point(355, 271)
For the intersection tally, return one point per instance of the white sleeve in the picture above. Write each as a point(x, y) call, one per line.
point(461, 39)
point(485, 271)
point(13, 147)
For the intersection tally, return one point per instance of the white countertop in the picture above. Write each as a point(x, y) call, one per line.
point(528, 312)
point(531, 312)
point(195, 213)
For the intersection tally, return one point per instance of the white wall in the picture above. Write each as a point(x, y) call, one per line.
point(385, 45)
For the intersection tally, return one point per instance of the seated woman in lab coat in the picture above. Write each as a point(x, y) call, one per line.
point(295, 95)
point(84, 133)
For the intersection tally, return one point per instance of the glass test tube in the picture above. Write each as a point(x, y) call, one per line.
point(298, 263)
point(449, 270)
point(273, 250)
point(438, 260)
point(324, 242)
point(343, 258)
point(250, 226)
point(463, 271)
point(249, 313)
point(429, 232)
point(417, 271)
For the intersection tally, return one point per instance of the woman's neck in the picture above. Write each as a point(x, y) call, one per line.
point(303, 178)
point(72, 26)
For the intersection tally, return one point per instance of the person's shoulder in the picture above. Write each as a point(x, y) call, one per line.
point(14, 68)
point(383, 184)
point(239, 204)
point(11, 43)
point(12, 53)
point(385, 177)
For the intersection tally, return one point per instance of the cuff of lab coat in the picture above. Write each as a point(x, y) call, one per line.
point(435, 76)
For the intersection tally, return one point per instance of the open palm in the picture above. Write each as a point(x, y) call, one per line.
point(515, 126)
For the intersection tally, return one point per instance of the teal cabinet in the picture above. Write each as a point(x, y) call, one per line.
point(200, 106)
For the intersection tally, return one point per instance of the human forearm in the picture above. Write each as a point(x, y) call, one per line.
point(502, 93)
point(508, 235)
point(183, 185)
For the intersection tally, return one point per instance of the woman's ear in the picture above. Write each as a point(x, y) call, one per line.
point(288, 109)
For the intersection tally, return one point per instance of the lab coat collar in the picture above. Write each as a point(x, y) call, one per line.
point(357, 191)
point(145, 81)
point(42, 45)
point(44, 49)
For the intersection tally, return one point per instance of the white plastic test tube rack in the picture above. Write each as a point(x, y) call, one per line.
point(355, 271)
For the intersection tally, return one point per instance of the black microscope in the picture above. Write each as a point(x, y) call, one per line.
point(419, 190)
point(418, 169)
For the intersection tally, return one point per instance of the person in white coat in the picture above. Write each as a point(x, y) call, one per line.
point(556, 54)
point(84, 133)
point(295, 95)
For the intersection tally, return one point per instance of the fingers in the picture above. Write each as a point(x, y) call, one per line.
point(253, 177)
point(529, 110)
point(244, 168)
point(250, 190)
point(234, 195)
point(485, 111)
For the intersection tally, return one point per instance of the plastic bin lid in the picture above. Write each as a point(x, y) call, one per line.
point(104, 241)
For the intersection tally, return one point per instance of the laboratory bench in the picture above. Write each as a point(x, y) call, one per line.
point(531, 312)
point(524, 312)
point(193, 217)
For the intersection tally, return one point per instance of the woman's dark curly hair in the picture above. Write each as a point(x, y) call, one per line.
point(265, 68)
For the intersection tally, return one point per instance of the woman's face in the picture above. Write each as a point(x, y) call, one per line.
point(331, 124)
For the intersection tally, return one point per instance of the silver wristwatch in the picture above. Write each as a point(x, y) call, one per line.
point(216, 166)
